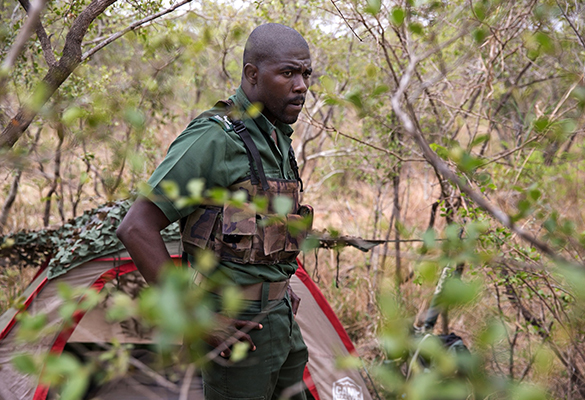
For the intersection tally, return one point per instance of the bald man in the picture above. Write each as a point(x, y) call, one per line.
point(232, 147)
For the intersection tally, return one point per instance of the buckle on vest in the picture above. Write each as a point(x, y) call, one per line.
point(239, 126)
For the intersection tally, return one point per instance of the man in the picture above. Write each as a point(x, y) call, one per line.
point(254, 156)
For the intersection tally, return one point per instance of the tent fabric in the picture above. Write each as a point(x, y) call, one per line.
point(323, 333)
point(327, 340)
point(14, 385)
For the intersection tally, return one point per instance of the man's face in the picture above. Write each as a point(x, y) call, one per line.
point(282, 84)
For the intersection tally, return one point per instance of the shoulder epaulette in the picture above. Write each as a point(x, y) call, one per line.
point(224, 121)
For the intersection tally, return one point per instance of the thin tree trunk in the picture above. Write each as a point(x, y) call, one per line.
point(7, 207)
point(396, 216)
point(56, 178)
point(10, 200)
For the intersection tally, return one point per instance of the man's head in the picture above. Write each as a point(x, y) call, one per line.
point(277, 68)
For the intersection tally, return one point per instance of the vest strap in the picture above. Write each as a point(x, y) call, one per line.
point(253, 153)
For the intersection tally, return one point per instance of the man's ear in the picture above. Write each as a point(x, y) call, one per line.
point(251, 73)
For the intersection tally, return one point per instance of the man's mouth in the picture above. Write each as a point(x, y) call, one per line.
point(297, 103)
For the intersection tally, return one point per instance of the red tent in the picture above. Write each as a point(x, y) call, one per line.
point(323, 333)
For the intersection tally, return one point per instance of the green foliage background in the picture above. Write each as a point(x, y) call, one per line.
point(494, 87)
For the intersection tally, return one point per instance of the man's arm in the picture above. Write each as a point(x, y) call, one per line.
point(140, 233)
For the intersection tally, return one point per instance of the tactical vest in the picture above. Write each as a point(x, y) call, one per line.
point(239, 234)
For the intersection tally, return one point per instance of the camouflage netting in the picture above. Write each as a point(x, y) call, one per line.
point(84, 238)
point(93, 234)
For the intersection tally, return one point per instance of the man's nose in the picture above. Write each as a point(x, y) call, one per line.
point(300, 85)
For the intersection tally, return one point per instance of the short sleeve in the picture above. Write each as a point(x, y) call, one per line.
point(199, 152)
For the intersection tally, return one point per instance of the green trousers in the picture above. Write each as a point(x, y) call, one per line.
point(274, 370)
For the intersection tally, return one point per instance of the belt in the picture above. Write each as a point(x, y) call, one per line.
point(276, 291)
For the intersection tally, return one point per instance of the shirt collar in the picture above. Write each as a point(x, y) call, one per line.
point(242, 101)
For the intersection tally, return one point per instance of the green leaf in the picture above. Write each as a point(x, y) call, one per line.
point(67, 310)
point(374, 6)
point(328, 83)
point(282, 205)
point(579, 94)
point(135, 118)
point(479, 35)
point(457, 292)
point(429, 238)
point(468, 163)
point(397, 16)
point(428, 272)
point(545, 41)
point(75, 387)
point(542, 12)
point(71, 115)
point(255, 109)
point(534, 194)
point(371, 71)
point(381, 89)
point(205, 260)
point(494, 332)
point(196, 187)
point(231, 299)
point(480, 139)
point(440, 150)
point(65, 291)
point(550, 224)
point(170, 189)
point(479, 10)
point(122, 307)
point(528, 392)
point(310, 243)
point(25, 363)
point(416, 28)
point(39, 96)
point(239, 351)
point(355, 98)
point(348, 362)
point(541, 124)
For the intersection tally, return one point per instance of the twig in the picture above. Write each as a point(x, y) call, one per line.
point(345, 20)
point(444, 169)
point(507, 153)
point(159, 379)
point(338, 132)
point(34, 13)
point(43, 38)
point(571, 24)
point(187, 382)
point(131, 27)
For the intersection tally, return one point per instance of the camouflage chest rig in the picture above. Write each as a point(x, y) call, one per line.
point(238, 233)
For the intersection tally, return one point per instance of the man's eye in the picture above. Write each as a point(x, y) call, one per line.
point(306, 75)
point(288, 74)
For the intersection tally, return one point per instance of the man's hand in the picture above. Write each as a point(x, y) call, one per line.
point(294, 300)
point(228, 331)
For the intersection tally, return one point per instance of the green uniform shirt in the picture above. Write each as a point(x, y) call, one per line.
point(211, 150)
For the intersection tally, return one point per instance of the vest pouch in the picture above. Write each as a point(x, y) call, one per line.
point(295, 232)
point(237, 229)
point(298, 226)
point(198, 228)
point(274, 228)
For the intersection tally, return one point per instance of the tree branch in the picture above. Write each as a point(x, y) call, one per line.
point(56, 75)
point(34, 13)
point(444, 169)
point(571, 24)
point(43, 38)
point(131, 27)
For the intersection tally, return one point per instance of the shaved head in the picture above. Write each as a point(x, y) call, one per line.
point(266, 41)
point(277, 71)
